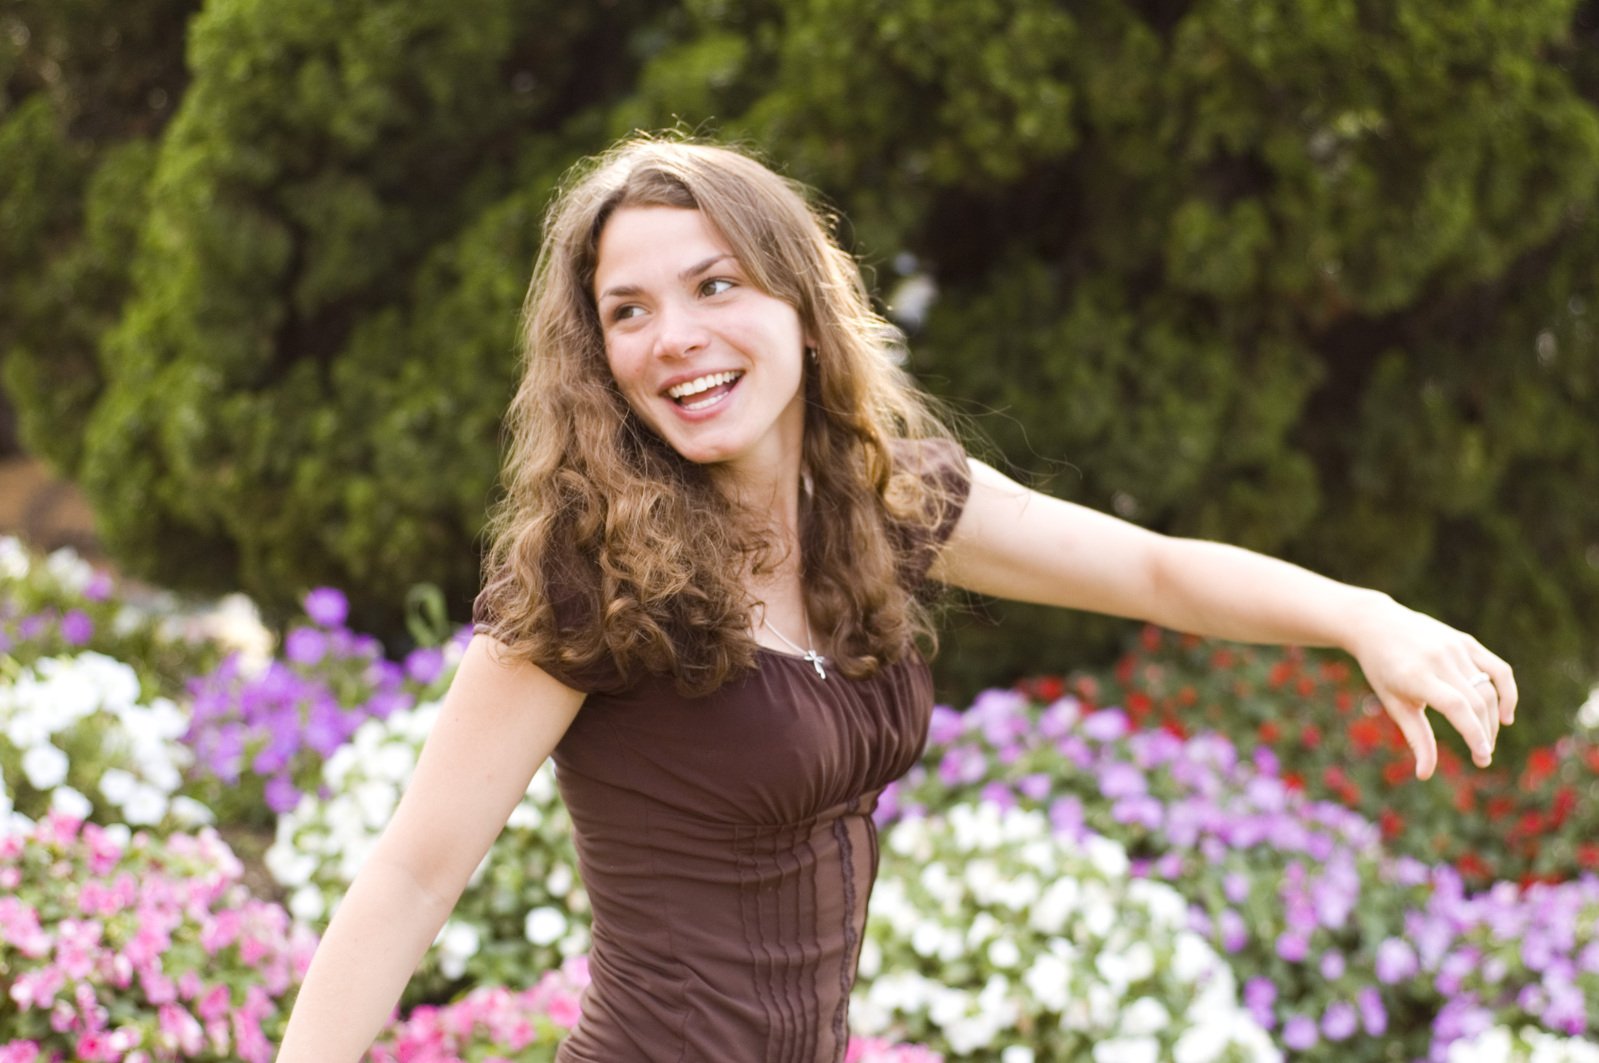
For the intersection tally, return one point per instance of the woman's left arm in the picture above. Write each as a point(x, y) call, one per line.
point(1014, 543)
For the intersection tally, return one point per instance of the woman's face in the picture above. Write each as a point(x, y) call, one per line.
point(709, 361)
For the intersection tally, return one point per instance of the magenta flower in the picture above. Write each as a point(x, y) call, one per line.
point(77, 628)
point(327, 607)
point(1299, 1033)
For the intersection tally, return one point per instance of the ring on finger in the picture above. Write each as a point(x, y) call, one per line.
point(1479, 678)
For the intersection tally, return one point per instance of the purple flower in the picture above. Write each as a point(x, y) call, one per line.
point(1066, 816)
point(999, 795)
point(327, 607)
point(424, 664)
point(1122, 780)
point(76, 627)
point(1299, 1033)
point(1372, 1013)
point(1396, 961)
point(1332, 965)
point(1034, 787)
point(962, 764)
point(281, 795)
point(1292, 947)
point(945, 726)
point(305, 645)
point(1106, 725)
point(1339, 1021)
point(99, 587)
point(1234, 931)
point(1260, 996)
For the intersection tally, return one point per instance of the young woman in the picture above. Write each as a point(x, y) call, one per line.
point(705, 598)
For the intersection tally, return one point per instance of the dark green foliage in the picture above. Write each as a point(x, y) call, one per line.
point(1314, 278)
point(81, 96)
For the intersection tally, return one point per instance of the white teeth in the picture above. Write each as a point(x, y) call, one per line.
point(701, 383)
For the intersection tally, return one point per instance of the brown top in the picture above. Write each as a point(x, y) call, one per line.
point(728, 850)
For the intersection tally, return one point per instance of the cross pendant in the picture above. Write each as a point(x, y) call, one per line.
point(817, 660)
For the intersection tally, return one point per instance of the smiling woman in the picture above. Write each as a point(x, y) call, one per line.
point(709, 361)
point(725, 505)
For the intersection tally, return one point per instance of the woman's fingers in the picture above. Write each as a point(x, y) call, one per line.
point(1460, 709)
point(1503, 678)
point(1412, 721)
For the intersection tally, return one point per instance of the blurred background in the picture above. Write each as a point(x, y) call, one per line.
point(1319, 279)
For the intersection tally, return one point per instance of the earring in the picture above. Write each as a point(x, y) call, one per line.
point(811, 351)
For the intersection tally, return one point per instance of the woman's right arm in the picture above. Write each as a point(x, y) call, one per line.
point(499, 721)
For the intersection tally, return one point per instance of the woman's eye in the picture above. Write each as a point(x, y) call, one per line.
point(625, 311)
point(715, 286)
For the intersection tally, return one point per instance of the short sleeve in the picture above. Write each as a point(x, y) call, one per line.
point(942, 466)
point(588, 676)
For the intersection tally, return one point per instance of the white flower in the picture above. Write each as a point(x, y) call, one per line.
point(544, 925)
point(457, 942)
point(45, 766)
point(145, 807)
point(1016, 1054)
point(376, 801)
point(1145, 1016)
point(15, 561)
point(307, 904)
point(69, 802)
point(290, 866)
point(69, 569)
point(1004, 954)
point(871, 961)
point(1127, 1050)
point(117, 785)
point(1108, 858)
point(1193, 957)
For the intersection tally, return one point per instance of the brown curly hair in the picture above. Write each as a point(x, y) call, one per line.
point(607, 549)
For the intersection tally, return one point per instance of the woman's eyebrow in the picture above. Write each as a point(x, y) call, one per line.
point(628, 290)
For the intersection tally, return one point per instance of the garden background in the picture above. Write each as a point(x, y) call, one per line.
point(1317, 279)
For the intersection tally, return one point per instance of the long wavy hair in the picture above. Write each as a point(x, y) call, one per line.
point(609, 550)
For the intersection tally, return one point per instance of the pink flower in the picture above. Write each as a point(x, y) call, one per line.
point(179, 1030)
point(37, 989)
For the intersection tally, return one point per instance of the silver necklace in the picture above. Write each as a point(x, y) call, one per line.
point(810, 655)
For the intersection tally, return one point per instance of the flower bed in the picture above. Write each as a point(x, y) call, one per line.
point(119, 947)
point(1334, 903)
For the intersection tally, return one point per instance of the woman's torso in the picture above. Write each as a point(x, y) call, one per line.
point(728, 850)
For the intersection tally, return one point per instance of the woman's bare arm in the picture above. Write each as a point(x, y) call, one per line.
point(498, 723)
point(1015, 543)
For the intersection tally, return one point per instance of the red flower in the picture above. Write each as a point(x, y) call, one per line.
point(1396, 772)
point(1310, 736)
point(1223, 659)
point(1465, 800)
point(1150, 637)
point(1138, 705)
point(1269, 733)
point(1294, 782)
point(1541, 763)
point(1280, 673)
point(1366, 734)
point(1472, 866)
point(1391, 823)
point(1307, 686)
point(1588, 854)
point(1187, 695)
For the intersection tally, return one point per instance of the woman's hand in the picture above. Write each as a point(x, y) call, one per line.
point(1414, 662)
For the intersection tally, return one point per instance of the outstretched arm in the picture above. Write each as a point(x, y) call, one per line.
point(1015, 543)
point(498, 723)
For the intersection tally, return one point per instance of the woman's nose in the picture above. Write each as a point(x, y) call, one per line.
point(678, 331)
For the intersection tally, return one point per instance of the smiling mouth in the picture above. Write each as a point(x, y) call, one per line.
point(703, 391)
